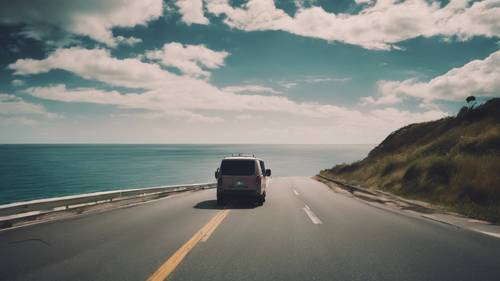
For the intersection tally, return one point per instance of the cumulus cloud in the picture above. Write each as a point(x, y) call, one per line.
point(478, 77)
point(192, 11)
point(190, 59)
point(98, 64)
point(158, 106)
point(164, 90)
point(377, 26)
point(93, 18)
point(159, 93)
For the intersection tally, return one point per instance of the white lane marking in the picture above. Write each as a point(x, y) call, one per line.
point(295, 191)
point(311, 215)
point(497, 235)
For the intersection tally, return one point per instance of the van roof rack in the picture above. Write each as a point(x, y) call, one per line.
point(242, 155)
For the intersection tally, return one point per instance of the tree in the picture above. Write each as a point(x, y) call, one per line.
point(471, 101)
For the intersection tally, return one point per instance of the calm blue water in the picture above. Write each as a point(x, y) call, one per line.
point(41, 171)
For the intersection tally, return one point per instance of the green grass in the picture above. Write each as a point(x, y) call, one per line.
point(454, 162)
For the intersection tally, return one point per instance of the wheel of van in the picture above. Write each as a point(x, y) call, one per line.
point(261, 199)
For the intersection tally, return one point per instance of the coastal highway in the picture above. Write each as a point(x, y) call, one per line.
point(304, 231)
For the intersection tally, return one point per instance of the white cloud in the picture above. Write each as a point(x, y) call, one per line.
point(97, 64)
point(190, 59)
point(18, 83)
point(11, 105)
point(377, 26)
point(372, 124)
point(192, 11)
point(289, 85)
point(478, 77)
point(403, 117)
point(17, 121)
point(313, 79)
point(161, 95)
point(131, 41)
point(208, 98)
point(323, 79)
point(92, 18)
point(318, 79)
point(175, 115)
point(251, 89)
point(244, 117)
point(363, 1)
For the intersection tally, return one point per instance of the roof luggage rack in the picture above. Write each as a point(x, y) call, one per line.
point(242, 155)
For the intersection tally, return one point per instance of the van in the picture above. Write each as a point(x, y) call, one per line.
point(242, 176)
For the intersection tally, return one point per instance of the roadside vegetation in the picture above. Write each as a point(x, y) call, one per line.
point(453, 162)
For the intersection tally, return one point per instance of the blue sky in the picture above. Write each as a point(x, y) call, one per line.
point(257, 71)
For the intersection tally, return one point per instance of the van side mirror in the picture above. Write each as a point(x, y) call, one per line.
point(268, 172)
point(217, 174)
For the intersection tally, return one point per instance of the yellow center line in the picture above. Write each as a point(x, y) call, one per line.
point(214, 226)
point(171, 263)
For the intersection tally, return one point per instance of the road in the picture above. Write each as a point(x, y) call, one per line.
point(304, 231)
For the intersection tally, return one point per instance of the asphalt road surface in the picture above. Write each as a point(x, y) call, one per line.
point(304, 231)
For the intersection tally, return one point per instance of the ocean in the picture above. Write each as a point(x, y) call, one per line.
point(42, 171)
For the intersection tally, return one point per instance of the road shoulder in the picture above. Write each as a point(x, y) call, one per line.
point(422, 209)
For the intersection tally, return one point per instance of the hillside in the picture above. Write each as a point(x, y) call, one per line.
point(453, 162)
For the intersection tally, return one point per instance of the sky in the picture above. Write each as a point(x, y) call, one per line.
point(236, 71)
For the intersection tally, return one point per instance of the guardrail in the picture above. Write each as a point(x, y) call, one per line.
point(15, 211)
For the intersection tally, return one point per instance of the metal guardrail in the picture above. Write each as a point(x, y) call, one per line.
point(67, 202)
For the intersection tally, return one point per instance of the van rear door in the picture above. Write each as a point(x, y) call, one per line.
point(238, 173)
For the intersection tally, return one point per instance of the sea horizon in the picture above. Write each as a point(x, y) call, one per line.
point(39, 171)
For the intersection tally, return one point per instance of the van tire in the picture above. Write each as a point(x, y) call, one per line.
point(261, 199)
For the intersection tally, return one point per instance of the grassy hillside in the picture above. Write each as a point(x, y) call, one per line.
point(454, 161)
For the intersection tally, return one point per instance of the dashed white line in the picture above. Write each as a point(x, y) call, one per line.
point(296, 192)
point(311, 215)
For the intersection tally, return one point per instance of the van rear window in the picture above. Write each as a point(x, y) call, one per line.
point(237, 167)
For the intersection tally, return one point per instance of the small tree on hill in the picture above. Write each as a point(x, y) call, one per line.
point(471, 101)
